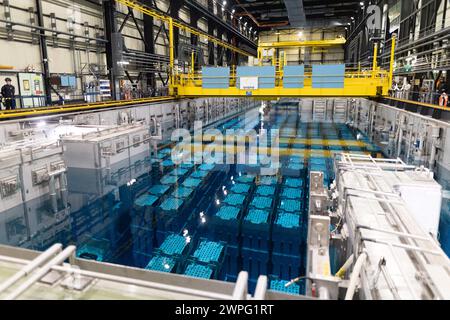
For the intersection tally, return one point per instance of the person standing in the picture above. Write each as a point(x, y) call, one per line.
point(443, 99)
point(8, 93)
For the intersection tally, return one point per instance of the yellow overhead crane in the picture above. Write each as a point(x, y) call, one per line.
point(368, 83)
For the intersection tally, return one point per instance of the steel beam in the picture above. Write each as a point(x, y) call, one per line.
point(209, 14)
point(181, 25)
point(110, 27)
point(44, 54)
point(298, 44)
point(149, 48)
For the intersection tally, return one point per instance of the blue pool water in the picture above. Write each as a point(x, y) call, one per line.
point(202, 220)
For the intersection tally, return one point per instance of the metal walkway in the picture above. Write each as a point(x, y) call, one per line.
point(44, 111)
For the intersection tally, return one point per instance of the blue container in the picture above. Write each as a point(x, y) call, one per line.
point(178, 172)
point(191, 182)
point(198, 271)
point(162, 264)
point(146, 200)
point(199, 174)
point(292, 206)
point(317, 161)
point(234, 199)
point(231, 262)
point(158, 189)
point(292, 193)
point(296, 159)
point(245, 179)
point(287, 235)
point(207, 167)
point(169, 179)
point(336, 148)
point(173, 245)
point(143, 239)
point(261, 203)
point(240, 188)
point(286, 266)
point(171, 204)
point(255, 262)
point(256, 229)
point(209, 252)
point(182, 192)
point(224, 225)
point(280, 286)
point(293, 182)
point(265, 190)
point(186, 165)
point(228, 213)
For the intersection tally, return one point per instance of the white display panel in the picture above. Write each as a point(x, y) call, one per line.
point(248, 83)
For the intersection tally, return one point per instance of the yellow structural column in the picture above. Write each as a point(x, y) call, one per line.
point(171, 58)
point(391, 66)
point(375, 63)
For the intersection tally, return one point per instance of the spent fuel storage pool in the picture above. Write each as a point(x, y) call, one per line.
point(208, 206)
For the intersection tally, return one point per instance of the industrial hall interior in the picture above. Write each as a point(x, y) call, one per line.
point(251, 150)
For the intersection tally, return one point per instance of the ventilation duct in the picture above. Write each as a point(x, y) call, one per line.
point(296, 12)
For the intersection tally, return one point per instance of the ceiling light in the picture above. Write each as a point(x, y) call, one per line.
point(233, 11)
point(224, 3)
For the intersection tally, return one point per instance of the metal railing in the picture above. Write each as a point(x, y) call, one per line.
point(33, 266)
point(418, 96)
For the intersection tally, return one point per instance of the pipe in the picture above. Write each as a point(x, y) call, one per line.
point(27, 269)
point(63, 187)
point(355, 276)
point(66, 253)
point(53, 198)
point(341, 272)
point(432, 156)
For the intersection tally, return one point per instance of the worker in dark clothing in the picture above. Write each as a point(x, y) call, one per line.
point(8, 93)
